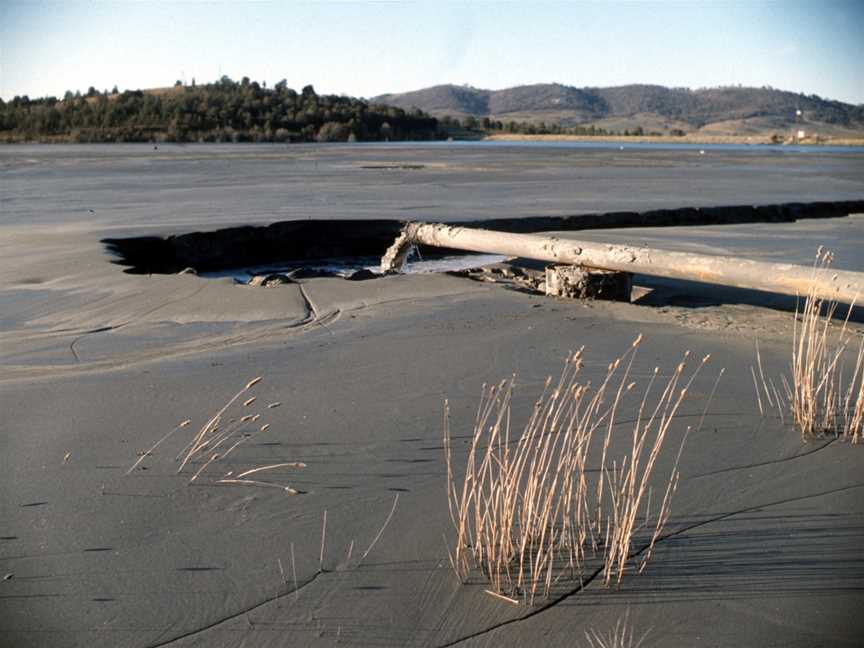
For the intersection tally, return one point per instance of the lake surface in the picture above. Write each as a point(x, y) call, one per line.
point(640, 146)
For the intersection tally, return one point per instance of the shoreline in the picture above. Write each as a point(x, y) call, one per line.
point(754, 140)
point(694, 139)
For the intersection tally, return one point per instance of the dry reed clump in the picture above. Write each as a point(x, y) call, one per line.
point(824, 397)
point(528, 512)
point(223, 433)
point(621, 635)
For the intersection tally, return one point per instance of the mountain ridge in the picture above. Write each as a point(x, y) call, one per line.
point(726, 109)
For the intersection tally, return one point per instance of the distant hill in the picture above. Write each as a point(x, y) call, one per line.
point(725, 110)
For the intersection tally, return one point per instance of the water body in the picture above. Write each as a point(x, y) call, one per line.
point(605, 145)
point(348, 266)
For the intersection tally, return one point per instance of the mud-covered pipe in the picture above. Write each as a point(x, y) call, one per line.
point(784, 278)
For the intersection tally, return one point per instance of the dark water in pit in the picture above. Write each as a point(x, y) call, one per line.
point(346, 267)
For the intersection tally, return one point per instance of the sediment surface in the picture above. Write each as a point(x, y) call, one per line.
point(765, 545)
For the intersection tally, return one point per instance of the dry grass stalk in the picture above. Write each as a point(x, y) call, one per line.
point(294, 574)
point(323, 536)
point(820, 402)
point(526, 511)
point(293, 464)
point(380, 531)
point(502, 597)
point(282, 573)
point(758, 397)
point(146, 454)
point(252, 482)
point(204, 466)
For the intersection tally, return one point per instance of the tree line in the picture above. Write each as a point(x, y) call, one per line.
point(224, 111)
point(492, 126)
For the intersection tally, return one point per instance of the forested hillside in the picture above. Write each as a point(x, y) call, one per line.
point(225, 111)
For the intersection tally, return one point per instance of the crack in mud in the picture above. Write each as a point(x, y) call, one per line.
point(104, 329)
point(763, 463)
point(179, 350)
point(346, 568)
point(239, 614)
point(85, 334)
point(592, 577)
point(164, 304)
point(313, 310)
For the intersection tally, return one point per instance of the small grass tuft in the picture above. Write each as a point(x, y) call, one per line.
point(225, 433)
point(621, 635)
point(825, 397)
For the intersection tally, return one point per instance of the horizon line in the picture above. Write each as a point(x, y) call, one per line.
point(264, 84)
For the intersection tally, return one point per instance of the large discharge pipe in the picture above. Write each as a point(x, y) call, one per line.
point(785, 278)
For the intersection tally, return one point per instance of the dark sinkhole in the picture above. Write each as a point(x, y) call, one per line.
point(299, 243)
point(246, 246)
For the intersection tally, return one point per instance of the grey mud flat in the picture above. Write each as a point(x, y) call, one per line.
point(765, 545)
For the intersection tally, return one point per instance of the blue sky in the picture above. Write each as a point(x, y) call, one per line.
point(368, 48)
